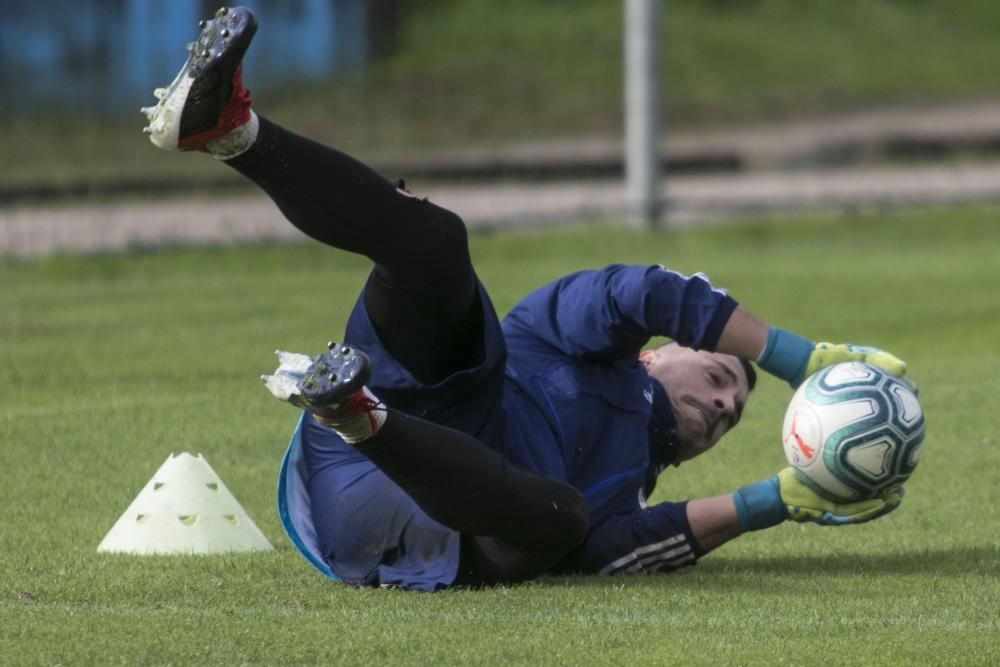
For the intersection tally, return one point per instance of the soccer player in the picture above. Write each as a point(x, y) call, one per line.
point(441, 447)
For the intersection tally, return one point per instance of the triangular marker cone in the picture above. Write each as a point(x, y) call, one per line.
point(184, 508)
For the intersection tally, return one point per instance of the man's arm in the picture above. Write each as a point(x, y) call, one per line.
point(713, 521)
point(668, 536)
point(789, 356)
point(662, 537)
point(612, 313)
point(744, 335)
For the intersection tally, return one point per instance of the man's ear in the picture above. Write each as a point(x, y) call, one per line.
point(647, 357)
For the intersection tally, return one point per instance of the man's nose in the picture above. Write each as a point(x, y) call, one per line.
point(724, 405)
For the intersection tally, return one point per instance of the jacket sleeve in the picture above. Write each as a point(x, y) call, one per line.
point(613, 312)
point(650, 539)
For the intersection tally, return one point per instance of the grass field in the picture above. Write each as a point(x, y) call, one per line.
point(109, 364)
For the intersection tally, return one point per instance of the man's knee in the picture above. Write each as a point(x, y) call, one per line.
point(448, 235)
point(529, 554)
point(432, 250)
point(441, 227)
point(560, 525)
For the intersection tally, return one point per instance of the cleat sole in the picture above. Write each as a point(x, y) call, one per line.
point(334, 376)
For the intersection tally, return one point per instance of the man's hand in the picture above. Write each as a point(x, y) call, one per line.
point(793, 358)
point(784, 496)
point(804, 504)
point(828, 354)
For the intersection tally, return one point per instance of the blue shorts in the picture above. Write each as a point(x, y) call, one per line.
point(343, 514)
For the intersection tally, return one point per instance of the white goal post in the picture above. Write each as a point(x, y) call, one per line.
point(642, 160)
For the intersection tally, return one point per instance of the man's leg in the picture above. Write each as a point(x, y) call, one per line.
point(366, 525)
point(422, 293)
point(422, 298)
point(515, 524)
point(465, 485)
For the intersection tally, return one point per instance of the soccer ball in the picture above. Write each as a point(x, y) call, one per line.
point(853, 431)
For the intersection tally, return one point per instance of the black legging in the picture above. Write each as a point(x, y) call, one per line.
point(421, 295)
point(422, 300)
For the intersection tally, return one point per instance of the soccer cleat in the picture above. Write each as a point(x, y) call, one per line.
point(334, 377)
point(207, 99)
point(331, 386)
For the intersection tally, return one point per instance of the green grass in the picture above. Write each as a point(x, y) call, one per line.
point(489, 73)
point(111, 363)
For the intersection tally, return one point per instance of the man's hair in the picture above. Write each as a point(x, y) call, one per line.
point(750, 373)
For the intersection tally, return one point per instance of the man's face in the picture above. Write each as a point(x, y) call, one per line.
point(707, 391)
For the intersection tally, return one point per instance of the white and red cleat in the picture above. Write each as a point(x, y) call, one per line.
point(207, 99)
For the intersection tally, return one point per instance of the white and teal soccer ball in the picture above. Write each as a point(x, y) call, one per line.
point(853, 431)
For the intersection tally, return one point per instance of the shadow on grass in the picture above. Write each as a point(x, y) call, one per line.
point(953, 561)
point(945, 562)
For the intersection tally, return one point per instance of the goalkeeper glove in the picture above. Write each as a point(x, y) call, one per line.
point(784, 496)
point(793, 358)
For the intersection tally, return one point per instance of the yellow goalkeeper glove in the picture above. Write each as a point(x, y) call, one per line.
point(784, 496)
point(804, 504)
point(828, 354)
point(794, 358)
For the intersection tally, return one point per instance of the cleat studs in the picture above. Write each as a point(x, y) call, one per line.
point(346, 351)
point(222, 11)
point(225, 33)
point(148, 111)
point(147, 130)
point(202, 23)
point(205, 53)
point(333, 377)
point(190, 46)
point(160, 93)
point(331, 345)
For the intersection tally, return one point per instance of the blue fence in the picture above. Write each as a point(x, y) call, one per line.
point(107, 56)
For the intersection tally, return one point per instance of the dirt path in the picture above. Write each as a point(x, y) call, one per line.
point(776, 181)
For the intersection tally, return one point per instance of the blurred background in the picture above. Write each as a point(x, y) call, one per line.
point(508, 112)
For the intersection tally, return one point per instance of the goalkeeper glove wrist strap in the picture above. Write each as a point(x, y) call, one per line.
point(759, 505)
point(785, 355)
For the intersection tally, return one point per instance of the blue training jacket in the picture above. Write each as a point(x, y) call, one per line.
point(577, 406)
point(580, 405)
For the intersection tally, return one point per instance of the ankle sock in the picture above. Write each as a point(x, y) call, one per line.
point(359, 419)
point(235, 142)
